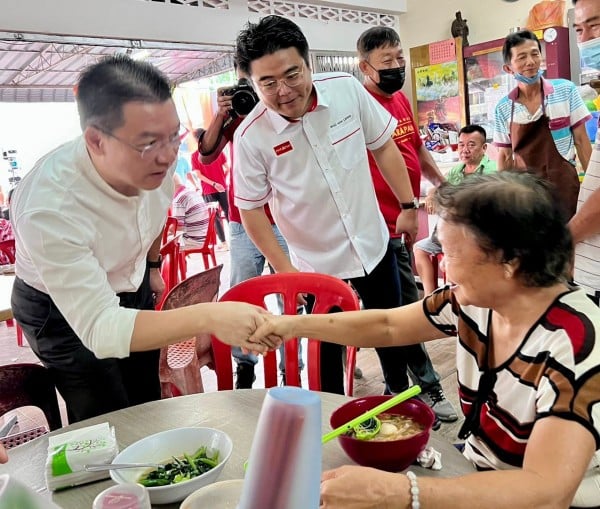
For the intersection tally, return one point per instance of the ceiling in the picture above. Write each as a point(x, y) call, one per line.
point(45, 68)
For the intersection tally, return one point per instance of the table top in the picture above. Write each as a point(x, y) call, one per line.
point(235, 412)
point(6, 284)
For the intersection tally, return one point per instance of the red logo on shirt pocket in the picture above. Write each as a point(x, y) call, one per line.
point(283, 148)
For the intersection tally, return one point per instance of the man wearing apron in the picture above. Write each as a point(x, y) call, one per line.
point(541, 123)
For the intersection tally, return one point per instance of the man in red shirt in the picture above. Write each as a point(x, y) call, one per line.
point(214, 186)
point(383, 65)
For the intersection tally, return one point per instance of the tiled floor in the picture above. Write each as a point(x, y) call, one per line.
point(441, 352)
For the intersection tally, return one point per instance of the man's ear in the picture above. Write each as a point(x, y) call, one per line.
point(506, 68)
point(365, 69)
point(94, 140)
point(484, 147)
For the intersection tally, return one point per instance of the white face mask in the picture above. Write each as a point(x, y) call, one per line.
point(589, 52)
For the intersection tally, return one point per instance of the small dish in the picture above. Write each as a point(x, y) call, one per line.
point(174, 442)
point(222, 494)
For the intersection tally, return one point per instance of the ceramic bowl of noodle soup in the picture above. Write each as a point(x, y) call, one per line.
point(404, 433)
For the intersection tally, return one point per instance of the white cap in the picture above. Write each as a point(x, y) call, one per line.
point(123, 496)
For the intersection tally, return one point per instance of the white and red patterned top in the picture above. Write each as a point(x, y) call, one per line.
point(554, 372)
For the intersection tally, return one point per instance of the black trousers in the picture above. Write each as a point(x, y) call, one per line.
point(89, 386)
point(378, 290)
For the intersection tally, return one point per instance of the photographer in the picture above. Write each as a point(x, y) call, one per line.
point(246, 260)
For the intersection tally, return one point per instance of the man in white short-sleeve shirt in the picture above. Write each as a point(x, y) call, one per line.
point(585, 224)
point(303, 150)
point(88, 221)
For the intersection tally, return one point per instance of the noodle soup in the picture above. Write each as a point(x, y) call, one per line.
point(395, 427)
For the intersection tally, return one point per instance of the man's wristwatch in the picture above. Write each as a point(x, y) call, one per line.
point(414, 204)
point(156, 264)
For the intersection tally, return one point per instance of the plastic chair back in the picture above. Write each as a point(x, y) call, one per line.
point(329, 292)
point(180, 363)
point(170, 265)
point(170, 229)
point(29, 384)
point(207, 250)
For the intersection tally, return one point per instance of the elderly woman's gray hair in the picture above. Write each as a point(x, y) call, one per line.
point(515, 217)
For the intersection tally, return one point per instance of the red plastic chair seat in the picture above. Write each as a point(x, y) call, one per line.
point(329, 292)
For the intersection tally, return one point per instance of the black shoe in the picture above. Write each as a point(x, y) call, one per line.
point(244, 376)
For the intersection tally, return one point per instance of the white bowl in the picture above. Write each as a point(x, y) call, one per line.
point(221, 495)
point(175, 442)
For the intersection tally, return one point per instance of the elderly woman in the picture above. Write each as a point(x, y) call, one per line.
point(527, 356)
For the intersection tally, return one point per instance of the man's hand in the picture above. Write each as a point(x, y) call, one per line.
point(3, 454)
point(219, 187)
point(429, 201)
point(274, 329)
point(157, 284)
point(353, 487)
point(223, 105)
point(408, 222)
point(235, 322)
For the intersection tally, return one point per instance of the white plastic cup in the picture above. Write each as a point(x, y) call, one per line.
point(123, 496)
point(284, 468)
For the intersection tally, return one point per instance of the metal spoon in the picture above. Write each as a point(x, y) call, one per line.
point(116, 466)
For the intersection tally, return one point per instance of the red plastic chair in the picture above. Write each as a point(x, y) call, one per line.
point(170, 229)
point(207, 250)
point(170, 266)
point(28, 384)
point(8, 248)
point(329, 292)
point(180, 363)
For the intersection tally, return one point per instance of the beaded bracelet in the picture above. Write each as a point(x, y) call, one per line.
point(414, 490)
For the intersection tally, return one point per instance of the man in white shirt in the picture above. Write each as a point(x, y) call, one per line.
point(88, 220)
point(585, 224)
point(303, 149)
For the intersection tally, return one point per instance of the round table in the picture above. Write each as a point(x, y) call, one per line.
point(235, 412)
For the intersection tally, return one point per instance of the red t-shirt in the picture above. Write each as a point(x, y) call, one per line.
point(409, 142)
point(214, 171)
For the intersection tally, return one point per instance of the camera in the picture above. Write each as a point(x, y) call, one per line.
point(243, 98)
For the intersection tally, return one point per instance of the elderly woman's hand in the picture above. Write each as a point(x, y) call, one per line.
point(274, 328)
point(352, 487)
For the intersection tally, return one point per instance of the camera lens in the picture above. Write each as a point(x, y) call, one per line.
point(243, 101)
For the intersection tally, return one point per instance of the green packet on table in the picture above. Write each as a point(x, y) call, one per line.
point(70, 451)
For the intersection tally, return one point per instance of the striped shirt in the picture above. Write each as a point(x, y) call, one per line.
point(192, 216)
point(587, 253)
point(553, 372)
point(563, 106)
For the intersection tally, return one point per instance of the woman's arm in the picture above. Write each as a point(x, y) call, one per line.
point(369, 328)
point(556, 458)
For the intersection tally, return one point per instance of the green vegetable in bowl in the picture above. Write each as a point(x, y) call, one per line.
point(180, 469)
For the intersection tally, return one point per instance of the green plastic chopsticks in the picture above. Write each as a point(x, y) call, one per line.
point(386, 405)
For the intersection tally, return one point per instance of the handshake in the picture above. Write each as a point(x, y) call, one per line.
point(250, 327)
